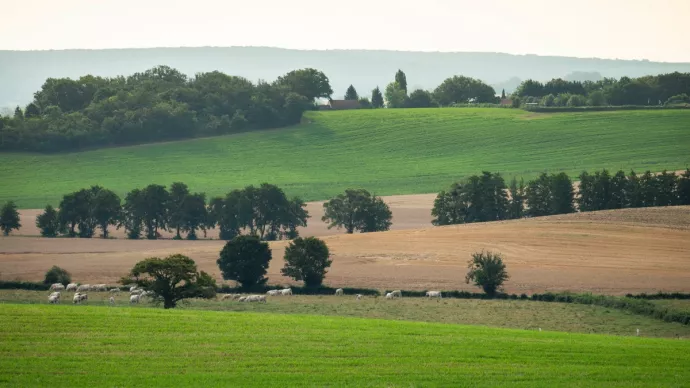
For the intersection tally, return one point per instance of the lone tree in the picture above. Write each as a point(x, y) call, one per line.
point(401, 80)
point(171, 279)
point(376, 98)
point(245, 259)
point(351, 94)
point(57, 275)
point(307, 259)
point(357, 210)
point(48, 222)
point(486, 270)
point(9, 218)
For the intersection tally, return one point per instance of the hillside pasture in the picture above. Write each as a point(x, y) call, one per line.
point(387, 151)
point(97, 346)
point(608, 252)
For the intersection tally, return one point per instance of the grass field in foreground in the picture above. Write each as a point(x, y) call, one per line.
point(396, 151)
point(512, 314)
point(43, 345)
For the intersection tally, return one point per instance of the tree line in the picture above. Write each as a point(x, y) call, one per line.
point(263, 211)
point(155, 105)
point(662, 89)
point(486, 197)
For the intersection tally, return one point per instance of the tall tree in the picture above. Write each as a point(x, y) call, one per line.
point(171, 279)
point(18, 113)
point(538, 196)
point(562, 194)
point(133, 213)
point(459, 89)
point(357, 210)
point(351, 94)
point(245, 259)
point(154, 202)
point(401, 80)
point(310, 83)
point(477, 199)
point(48, 222)
point(395, 96)
point(516, 209)
point(9, 218)
point(503, 94)
point(106, 208)
point(194, 214)
point(376, 98)
point(684, 188)
point(307, 259)
point(68, 214)
point(487, 270)
point(420, 99)
point(32, 111)
point(178, 193)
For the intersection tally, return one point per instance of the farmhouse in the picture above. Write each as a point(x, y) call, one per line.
point(340, 105)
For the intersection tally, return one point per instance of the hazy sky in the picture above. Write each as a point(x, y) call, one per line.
point(629, 29)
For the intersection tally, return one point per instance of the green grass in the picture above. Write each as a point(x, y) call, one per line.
point(42, 345)
point(385, 151)
point(512, 314)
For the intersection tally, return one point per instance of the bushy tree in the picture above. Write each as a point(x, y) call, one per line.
point(401, 80)
point(487, 270)
point(9, 218)
point(307, 259)
point(376, 98)
point(550, 194)
point(548, 100)
point(310, 83)
point(48, 222)
point(171, 279)
point(364, 103)
point(351, 94)
point(459, 89)
point(194, 214)
point(562, 194)
point(106, 208)
point(420, 99)
point(245, 259)
point(57, 275)
point(597, 98)
point(357, 210)
point(395, 96)
point(576, 100)
point(476, 199)
point(178, 193)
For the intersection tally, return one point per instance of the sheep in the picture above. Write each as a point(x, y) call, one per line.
point(100, 287)
point(256, 298)
point(134, 298)
point(434, 294)
point(339, 292)
point(236, 296)
point(226, 297)
point(138, 291)
point(274, 292)
point(78, 298)
point(359, 296)
point(71, 287)
point(54, 299)
point(132, 288)
point(286, 291)
point(397, 294)
point(56, 293)
point(389, 295)
point(57, 287)
point(83, 297)
point(84, 287)
point(114, 290)
point(242, 299)
point(111, 300)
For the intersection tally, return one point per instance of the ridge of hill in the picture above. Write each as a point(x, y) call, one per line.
point(23, 72)
point(401, 151)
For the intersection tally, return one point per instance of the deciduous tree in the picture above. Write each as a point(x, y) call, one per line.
point(307, 259)
point(487, 270)
point(48, 222)
point(245, 259)
point(357, 210)
point(9, 218)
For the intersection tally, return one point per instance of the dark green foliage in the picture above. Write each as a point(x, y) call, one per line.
point(32, 111)
point(396, 97)
point(106, 208)
point(9, 218)
point(48, 222)
point(376, 98)
point(401, 80)
point(602, 191)
point(351, 94)
point(357, 210)
point(171, 279)
point(18, 114)
point(487, 270)
point(684, 188)
point(477, 199)
point(550, 194)
point(503, 94)
point(178, 193)
point(307, 259)
point(152, 205)
point(562, 194)
point(364, 103)
point(459, 89)
point(309, 83)
point(57, 275)
point(420, 99)
point(194, 214)
point(516, 102)
point(516, 209)
point(245, 259)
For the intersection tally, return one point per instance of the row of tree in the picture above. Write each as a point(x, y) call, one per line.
point(158, 104)
point(669, 88)
point(264, 211)
point(487, 197)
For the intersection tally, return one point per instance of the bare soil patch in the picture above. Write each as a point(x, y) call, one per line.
point(613, 252)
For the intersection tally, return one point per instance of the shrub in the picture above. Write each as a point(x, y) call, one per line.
point(487, 270)
point(57, 275)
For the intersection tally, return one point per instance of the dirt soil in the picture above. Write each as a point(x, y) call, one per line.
point(613, 252)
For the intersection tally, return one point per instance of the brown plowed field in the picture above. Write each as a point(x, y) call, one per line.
point(614, 252)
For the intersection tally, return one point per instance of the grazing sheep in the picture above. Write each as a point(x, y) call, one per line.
point(56, 293)
point(274, 292)
point(434, 294)
point(138, 291)
point(100, 287)
point(339, 292)
point(78, 298)
point(286, 291)
point(57, 287)
point(256, 298)
point(134, 298)
point(114, 290)
point(111, 300)
point(226, 297)
point(71, 287)
point(389, 295)
point(132, 288)
point(242, 298)
point(236, 296)
point(54, 299)
point(359, 296)
point(84, 287)
point(397, 294)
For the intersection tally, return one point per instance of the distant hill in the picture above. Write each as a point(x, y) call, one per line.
point(23, 72)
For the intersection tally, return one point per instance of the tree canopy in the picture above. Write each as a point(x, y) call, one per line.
point(376, 98)
point(9, 218)
point(307, 259)
point(487, 270)
point(245, 260)
point(460, 90)
point(351, 94)
point(357, 210)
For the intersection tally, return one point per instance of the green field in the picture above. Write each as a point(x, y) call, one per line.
point(44, 345)
point(386, 151)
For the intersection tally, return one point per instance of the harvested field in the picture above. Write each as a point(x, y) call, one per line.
point(611, 252)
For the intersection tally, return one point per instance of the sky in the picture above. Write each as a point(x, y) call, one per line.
point(625, 29)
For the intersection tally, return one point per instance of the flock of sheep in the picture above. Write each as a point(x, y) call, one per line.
point(137, 293)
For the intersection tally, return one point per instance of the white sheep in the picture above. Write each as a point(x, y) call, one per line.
point(114, 290)
point(397, 294)
point(236, 296)
point(78, 298)
point(256, 298)
point(434, 294)
point(132, 288)
point(111, 300)
point(57, 287)
point(138, 291)
point(242, 298)
point(56, 293)
point(359, 296)
point(389, 295)
point(100, 287)
point(84, 287)
point(286, 291)
point(134, 298)
point(71, 287)
point(339, 292)
point(53, 299)
point(274, 292)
